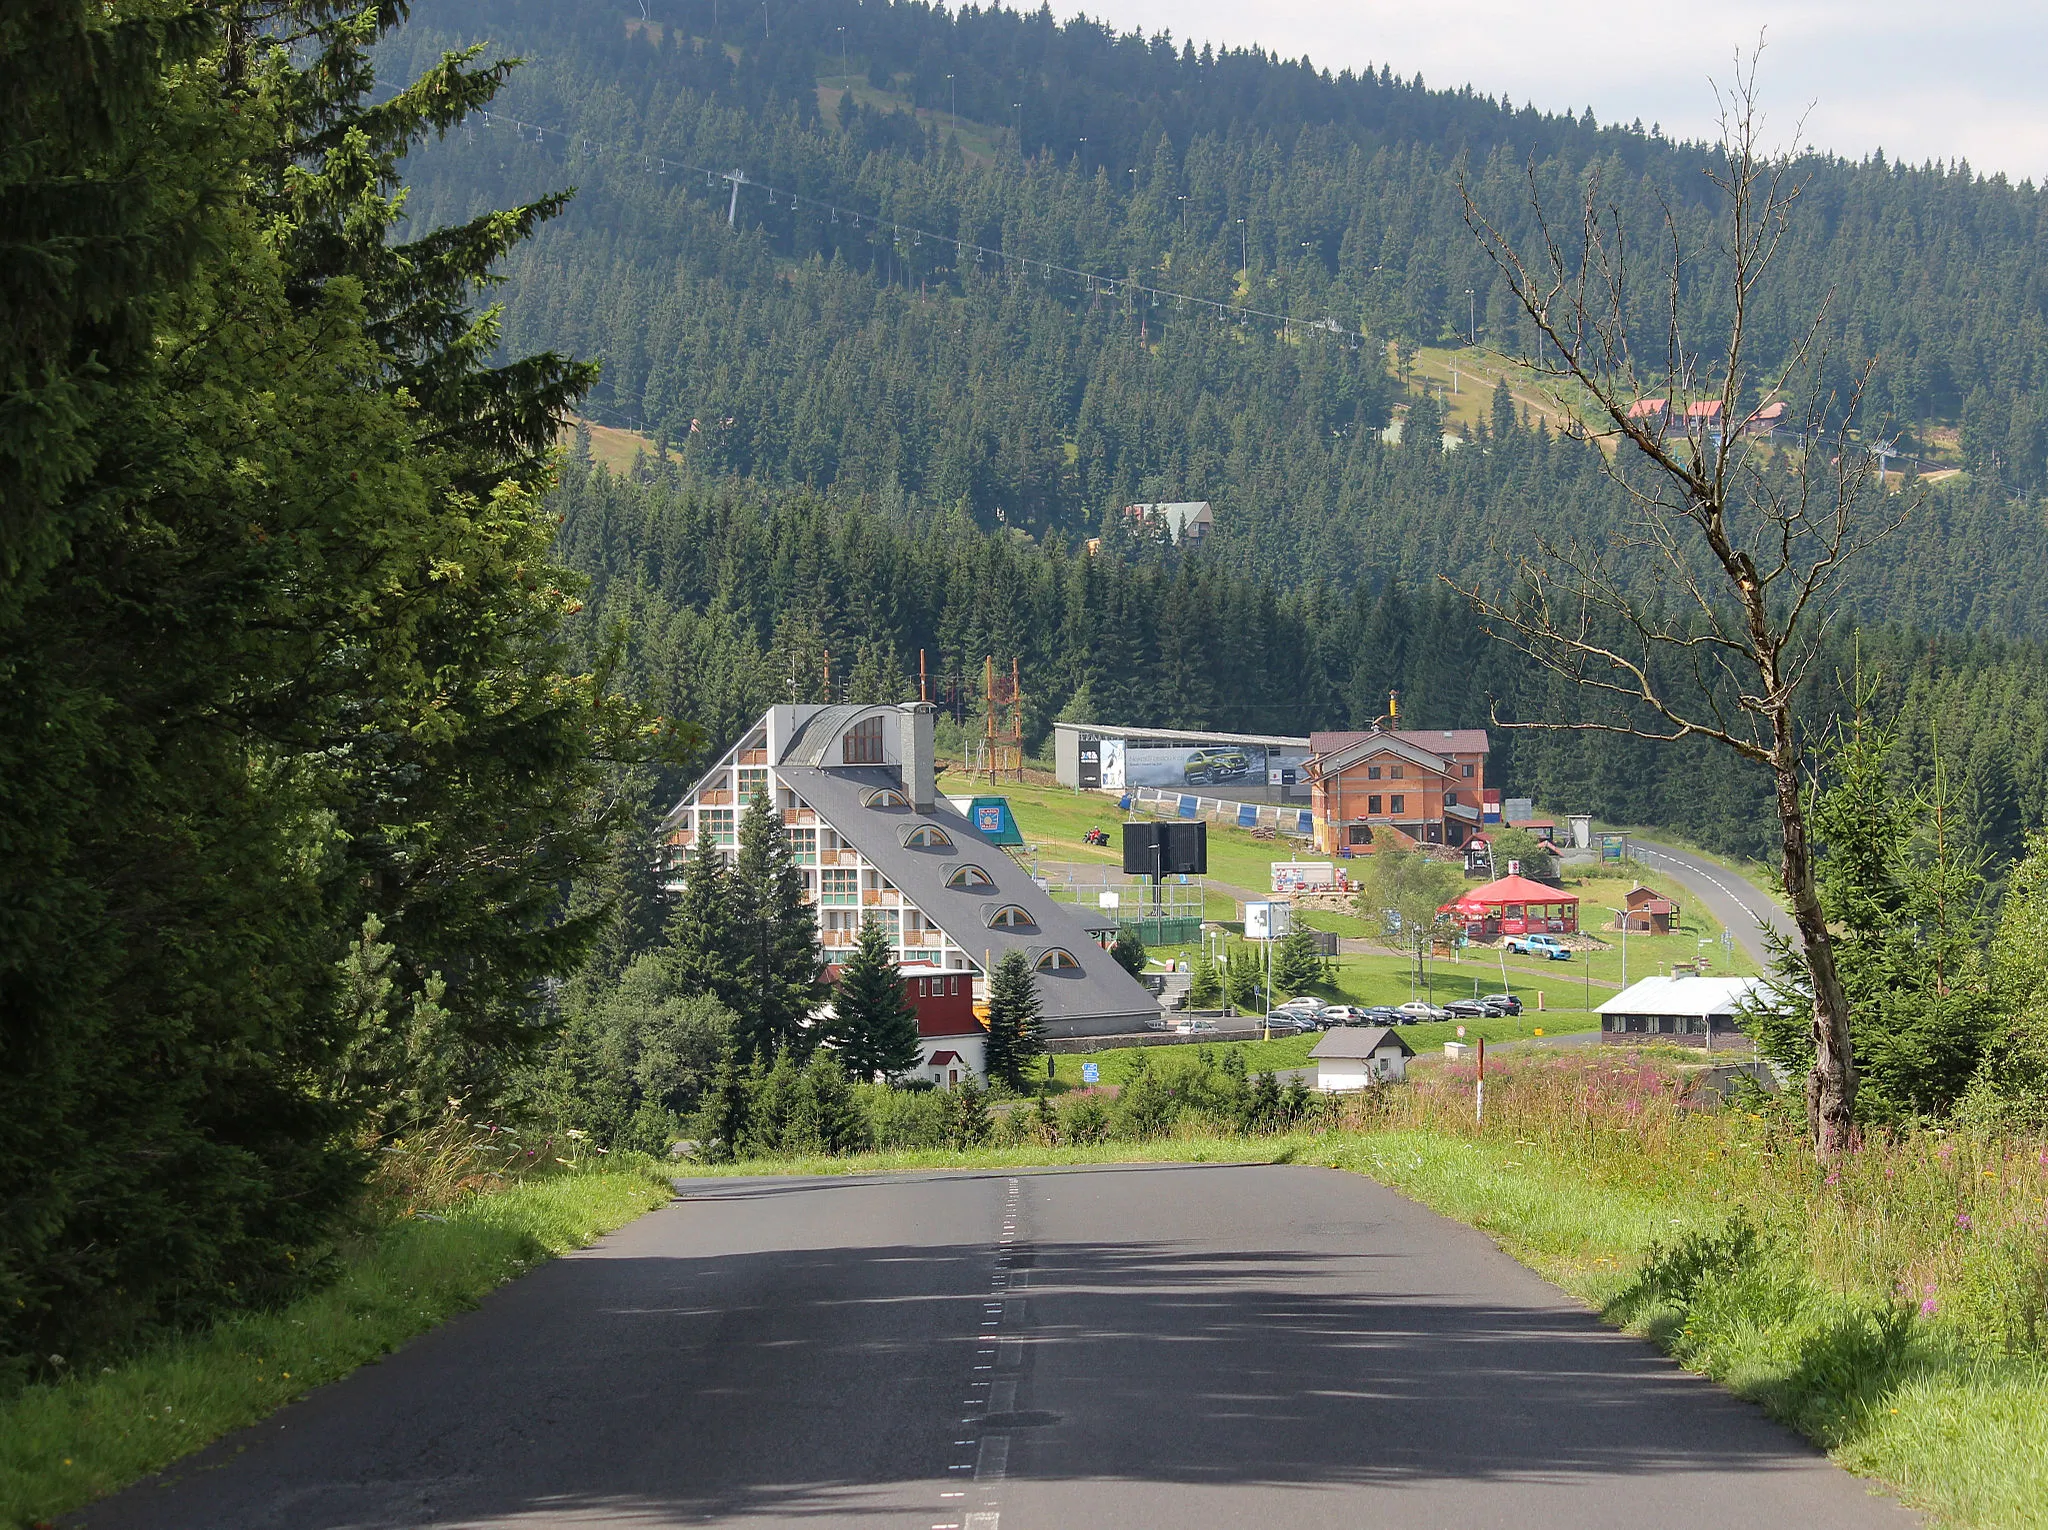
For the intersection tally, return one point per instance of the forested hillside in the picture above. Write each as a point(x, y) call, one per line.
point(732, 608)
point(842, 342)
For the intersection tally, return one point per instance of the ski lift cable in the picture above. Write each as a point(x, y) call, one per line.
point(1092, 280)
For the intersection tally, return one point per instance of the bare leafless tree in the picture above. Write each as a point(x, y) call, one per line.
point(1702, 620)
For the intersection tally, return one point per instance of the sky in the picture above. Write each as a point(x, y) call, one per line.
point(1921, 81)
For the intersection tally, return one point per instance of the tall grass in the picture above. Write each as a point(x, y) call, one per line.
point(1953, 1225)
point(457, 1209)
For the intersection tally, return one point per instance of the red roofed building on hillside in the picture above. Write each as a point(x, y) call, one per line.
point(1766, 420)
point(1647, 912)
point(1515, 906)
point(1426, 783)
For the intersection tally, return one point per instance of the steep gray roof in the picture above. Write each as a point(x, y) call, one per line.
point(1096, 990)
point(1350, 1043)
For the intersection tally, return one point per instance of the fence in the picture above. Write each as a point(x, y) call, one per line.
point(1163, 803)
point(1167, 915)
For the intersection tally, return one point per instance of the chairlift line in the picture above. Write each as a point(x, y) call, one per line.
point(1023, 263)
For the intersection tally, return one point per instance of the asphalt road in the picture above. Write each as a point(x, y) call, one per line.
point(1742, 907)
point(1195, 1347)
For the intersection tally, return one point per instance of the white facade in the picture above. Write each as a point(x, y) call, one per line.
point(1337, 1075)
point(856, 788)
point(951, 1060)
point(1348, 1060)
point(843, 886)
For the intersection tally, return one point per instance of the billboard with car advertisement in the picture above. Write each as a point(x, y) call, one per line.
point(1220, 769)
point(1135, 762)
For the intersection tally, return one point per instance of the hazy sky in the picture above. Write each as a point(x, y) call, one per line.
point(1945, 81)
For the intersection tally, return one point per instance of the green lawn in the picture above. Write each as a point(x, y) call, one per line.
point(1114, 1066)
point(1053, 820)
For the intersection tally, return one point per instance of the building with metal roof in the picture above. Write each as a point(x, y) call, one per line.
point(1349, 1058)
point(1680, 1011)
point(856, 787)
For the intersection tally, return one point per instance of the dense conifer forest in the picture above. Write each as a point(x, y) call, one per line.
point(842, 342)
point(731, 605)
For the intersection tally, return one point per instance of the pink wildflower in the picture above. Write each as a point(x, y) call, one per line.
point(1929, 1307)
point(1963, 1220)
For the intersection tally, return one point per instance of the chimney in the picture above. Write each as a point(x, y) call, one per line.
point(920, 778)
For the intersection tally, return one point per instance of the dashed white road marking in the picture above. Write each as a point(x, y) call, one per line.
point(992, 1464)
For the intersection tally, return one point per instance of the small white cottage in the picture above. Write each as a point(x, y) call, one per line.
point(1354, 1059)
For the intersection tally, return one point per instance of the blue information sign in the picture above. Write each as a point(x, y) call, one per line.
point(1090, 1074)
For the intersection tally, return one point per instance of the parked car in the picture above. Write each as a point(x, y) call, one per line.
point(1194, 1028)
point(1501, 1003)
point(1469, 1009)
point(1419, 1009)
point(1304, 1005)
point(1289, 1020)
point(1339, 1014)
point(1206, 765)
point(1381, 1014)
point(1540, 945)
point(1159, 1024)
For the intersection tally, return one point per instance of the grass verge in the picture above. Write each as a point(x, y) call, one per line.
point(65, 1444)
point(1113, 1065)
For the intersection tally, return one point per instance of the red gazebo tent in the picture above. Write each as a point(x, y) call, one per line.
point(1516, 906)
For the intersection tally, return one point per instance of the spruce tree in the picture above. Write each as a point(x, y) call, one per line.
point(1016, 1027)
point(1297, 965)
point(874, 1028)
point(1244, 978)
point(722, 1122)
point(1129, 951)
point(776, 934)
point(970, 1123)
point(704, 940)
point(824, 1116)
point(1205, 986)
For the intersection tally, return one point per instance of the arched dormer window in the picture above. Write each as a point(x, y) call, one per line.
point(927, 836)
point(970, 876)
point(885, 797)
point(1056, 958)
point(1008, 916)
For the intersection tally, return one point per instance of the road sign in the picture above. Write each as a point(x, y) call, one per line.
point(1090, 1074)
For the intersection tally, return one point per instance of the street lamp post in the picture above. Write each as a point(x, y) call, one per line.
point(1471, 318)
point(954, 91)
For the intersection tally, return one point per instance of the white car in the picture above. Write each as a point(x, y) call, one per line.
point(1419, 1009)
point(1339, 1014)
point(1195, 1028)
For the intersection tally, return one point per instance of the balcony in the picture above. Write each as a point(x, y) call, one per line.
point(832, 938)
point(719, 798)
point(793, 818)
point(753, 757)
